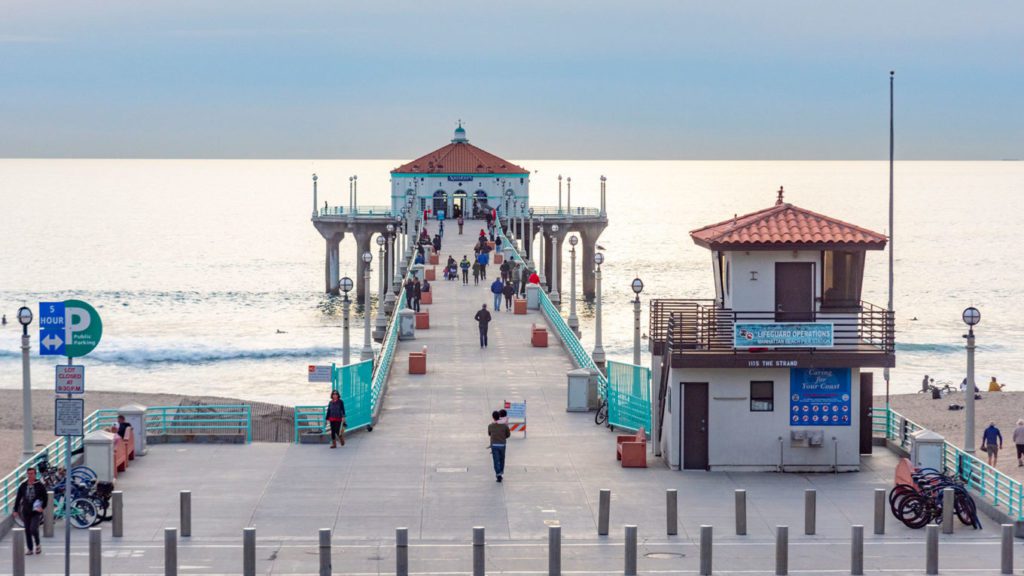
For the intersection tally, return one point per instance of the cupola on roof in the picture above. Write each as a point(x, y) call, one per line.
point(460, 157)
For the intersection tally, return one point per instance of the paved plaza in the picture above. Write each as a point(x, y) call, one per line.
point(425, 466)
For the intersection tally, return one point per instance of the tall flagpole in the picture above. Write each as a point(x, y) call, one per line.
point(892, 75)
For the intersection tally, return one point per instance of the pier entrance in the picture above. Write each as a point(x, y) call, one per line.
point(440, 206)
point(459, 203)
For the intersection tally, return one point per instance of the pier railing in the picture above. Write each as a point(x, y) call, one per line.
point(357, 211)
point(994, 487)
point(564, 211)
point(203, 419)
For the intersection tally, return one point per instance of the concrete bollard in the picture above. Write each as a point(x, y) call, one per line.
point(781, 550)
point(18, 551)
point(185, 505)
point(672, 512)
point(947, 510)
point(479, 547)
point(554, 550)
point(170, 551)
point(857, 550)
point(401, 552)
point(931, 549)
point(604, 512)
point(630, 564)
point(117, 510)
point(810, 511)
point(95, 551)
point(1007, 550)
point(741, 512)
point(879, 510)
point(705, 550)
point(248, 551)
point(325, 552)
point(48, 515)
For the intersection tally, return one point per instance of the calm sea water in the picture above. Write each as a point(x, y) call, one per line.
point(196, 265)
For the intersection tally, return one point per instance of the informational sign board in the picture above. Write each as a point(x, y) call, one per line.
point(783, 335)
point(320, 373)
point(819, 397)
point(51, 328)
point(70, 379)
point(516, 416)
point(69, 417)
point(71, 328)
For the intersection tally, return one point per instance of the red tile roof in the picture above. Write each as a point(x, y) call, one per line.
point(785, 226)
point(459, 158)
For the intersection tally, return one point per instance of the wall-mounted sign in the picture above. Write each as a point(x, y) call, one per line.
point(460, 178)
point(320, 373)
point(782, 335)
point(70, 379)
point(819, 397)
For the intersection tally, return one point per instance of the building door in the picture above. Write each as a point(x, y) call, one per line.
point(440, 202)
point(794, 291)
point(695, 426)
point(866, 389)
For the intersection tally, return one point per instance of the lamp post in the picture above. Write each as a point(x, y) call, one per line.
point(512, 219)
point(638, 287)
point(367, 352)
point(355, 194)
point(350, 186)
point(971, 317)
point(559, 193)
point(25, 318)
point(555, 297)
point(529, 244)
point(598, 347)
point(574, 322)
point(389, 283)
point(540, 256)
point(568, 195)
point(508, 201)
point(314, 195)
point(346, 287)
point(382, 320)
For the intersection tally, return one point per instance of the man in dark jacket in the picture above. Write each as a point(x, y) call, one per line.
point(417, 292)
point(483, 317)
point(497, 288)
point(508, 291)
point(498, 434)
point(464, 265)
point(505, 269)
point(28, 505)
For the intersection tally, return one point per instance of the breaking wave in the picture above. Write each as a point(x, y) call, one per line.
point(142, 355)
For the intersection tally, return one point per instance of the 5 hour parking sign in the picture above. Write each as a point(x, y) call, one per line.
point(70, 328)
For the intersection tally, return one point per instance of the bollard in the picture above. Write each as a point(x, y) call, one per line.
point(705, 550)
point(931, 549)
point(95, 551)
point(18, 551)
point(325, 552)
point(48, 515)
point(857, 550)
point(741, 512)
point(1007, 551)
point(630, 568)
point(810, 516)
point(117, 510)
point(781, 550)
point(478, 550)
point(947, 510)
point(554, 550)
point(401, 552)
point(603, 512)
point(879, 510)
point(248, 552)
point(186, 513)
point(170, 551)
point(672, 512)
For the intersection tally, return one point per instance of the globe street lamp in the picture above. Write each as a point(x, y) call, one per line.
point(540, 255)
point(314, 195)
point(346, 287)
point(25, 318)
point(559, 193)
point(971, 317)
point(638, 287)
point(598, 347)
point(392, 278)
point(568, 195)
point(508, 200)
point(355, 194)
point(574, 322)
point(554, 295)
point(367, 352)
point(529, 243)
point(382, 320)
point(512, 221)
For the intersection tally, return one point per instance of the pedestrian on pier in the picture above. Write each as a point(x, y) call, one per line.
point(336, 418)
point(505, 268)
point(440, 229)
point(497, 288)
point(28, 507)
point(499, 434)
point(483, 317)
point(464, 265)
point(1018, 439)
point(461, 222)
point(988, 443)
point(410, 287)
point(508, 291)
point(476, 274)
point(517, 278)
point(437, 243)
point(482, 260)
point(417, 291)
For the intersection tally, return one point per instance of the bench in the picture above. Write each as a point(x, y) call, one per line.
point(632, 449)
point(538, 336)
point(418, 362)
point(422, 320)
point(120, 455)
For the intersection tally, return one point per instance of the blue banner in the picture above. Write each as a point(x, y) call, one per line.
point(782, 335)
point(819, 397)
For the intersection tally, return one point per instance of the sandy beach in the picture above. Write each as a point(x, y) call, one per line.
point(1003, 408)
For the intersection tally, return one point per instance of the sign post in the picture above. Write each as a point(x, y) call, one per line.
point(516, 416)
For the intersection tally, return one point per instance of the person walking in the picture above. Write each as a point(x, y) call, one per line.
point(464, 265)
point(28, 506)
point(988, 443)
point(1018, 439)
point(417, 292)
point(508, 291)
point(517, 278)
point(336, 418)
point(499, 435)
point(410, 286)
point(437, 243)
point(476, 273)
point(505, 268)
point(440, 229)
point(483, 317)
point(461, 221)
point(497, 288)
point(482, 259)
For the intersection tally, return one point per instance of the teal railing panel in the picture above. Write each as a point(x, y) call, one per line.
point(201, 419)
point(354, 382)
point(629, 397)
point(311, 420)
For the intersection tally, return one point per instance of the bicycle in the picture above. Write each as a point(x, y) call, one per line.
point(601, 416)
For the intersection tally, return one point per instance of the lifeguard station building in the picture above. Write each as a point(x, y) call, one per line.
point(769, 374)
point(460, 179)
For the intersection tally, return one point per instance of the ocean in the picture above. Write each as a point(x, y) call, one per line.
point(209, 275)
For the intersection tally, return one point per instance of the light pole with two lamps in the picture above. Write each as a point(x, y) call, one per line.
point(382, 320)
point(28, 445)
point(346, 287)
point(971, 317)
point(598, 354)
point(367, 351)
point(638, 287)
point(574, 322)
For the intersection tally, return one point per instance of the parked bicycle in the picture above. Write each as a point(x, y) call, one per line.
point(922, 503)
point(90, 499)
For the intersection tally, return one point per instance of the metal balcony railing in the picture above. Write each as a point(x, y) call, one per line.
point(358, 211)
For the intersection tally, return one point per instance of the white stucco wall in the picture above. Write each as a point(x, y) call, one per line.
point(759, 295)
point(494, 185)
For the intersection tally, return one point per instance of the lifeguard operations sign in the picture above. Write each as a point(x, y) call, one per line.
point(70, 328)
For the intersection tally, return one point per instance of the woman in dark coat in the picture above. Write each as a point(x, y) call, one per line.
point(336, 418)
point(28, 505)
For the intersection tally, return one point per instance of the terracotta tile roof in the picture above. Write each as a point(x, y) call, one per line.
point(785, 226)
point(459, 158)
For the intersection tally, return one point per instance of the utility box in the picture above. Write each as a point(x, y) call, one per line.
point(406, 324)
point(135, 414)
point(926, 449)
point(533, 297)
point(417, 271)
point(579, 382)
point(99, 454)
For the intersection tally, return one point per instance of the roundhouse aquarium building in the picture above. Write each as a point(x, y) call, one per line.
point(771, 373)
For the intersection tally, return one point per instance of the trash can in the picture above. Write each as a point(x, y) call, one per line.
point(135, 414)
point(926, 449)
point(579, 381)
point(533, 297)
point(99, 454)
point(406, 324)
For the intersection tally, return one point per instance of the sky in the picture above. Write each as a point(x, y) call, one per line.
point(561, 79)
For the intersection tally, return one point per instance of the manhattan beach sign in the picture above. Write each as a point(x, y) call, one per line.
point(783, 335)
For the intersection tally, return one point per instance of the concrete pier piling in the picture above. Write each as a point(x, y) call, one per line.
point(401, 551)
point(117, 510)
point(48, 515)
point(604, 512)
point(170, 551)
point(554, 550)
point(857, 550)
point(810, 511)
point(325, 552)
point(671, 512)
point(781, 550)
point(879, 511)
point(479, 550)
point(18, 551)
point(1006, 551)
point(705, 550)
point(630, 556)
point(931, 549)
point(248, 551)
point(947, 510)
point(95, 551)
point(185, 510)
point(741, 512)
